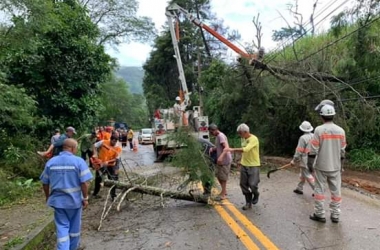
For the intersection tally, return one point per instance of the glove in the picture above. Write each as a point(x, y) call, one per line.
point(310, 163)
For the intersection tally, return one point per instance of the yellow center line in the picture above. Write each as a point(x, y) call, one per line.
point(239, 232)
point(267, 243)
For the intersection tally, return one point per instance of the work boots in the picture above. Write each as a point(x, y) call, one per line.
point(255, 199)
point(248, 201)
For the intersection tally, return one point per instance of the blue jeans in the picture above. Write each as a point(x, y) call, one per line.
point(68, 225)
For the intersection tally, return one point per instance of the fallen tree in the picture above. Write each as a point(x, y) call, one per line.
point(128, 187)
point(144, 189)
point(303, 75)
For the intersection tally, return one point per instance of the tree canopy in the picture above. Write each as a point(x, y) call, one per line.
point(55, 72)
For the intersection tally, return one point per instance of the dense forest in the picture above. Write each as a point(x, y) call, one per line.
point(275, 95)
point(55, 72)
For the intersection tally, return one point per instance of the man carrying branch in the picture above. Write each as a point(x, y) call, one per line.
point(224, 159)
point(109, 154)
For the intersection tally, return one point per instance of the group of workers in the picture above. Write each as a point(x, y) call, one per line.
point(319, 156)
point(123, 135)
point(66, 176)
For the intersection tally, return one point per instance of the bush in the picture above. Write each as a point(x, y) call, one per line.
point(17, 189)
point(364, 159)
point(18, 156)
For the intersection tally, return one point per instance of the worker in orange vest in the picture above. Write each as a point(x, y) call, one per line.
point(109, 155)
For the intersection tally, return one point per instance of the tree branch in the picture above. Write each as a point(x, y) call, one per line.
point(312, 17)
point(324, 77)
point(293, 48)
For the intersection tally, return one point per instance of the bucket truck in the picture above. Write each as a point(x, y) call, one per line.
point(197, 122)
point(167, 121)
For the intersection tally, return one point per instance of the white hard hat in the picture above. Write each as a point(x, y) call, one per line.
point(178, 98)
point(327, 110)
point(306, 126)
point(324, 102)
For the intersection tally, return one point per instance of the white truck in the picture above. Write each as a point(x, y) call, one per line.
point(164, 126)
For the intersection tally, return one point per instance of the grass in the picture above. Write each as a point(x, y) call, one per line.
point(13, 242)
point(364, 159)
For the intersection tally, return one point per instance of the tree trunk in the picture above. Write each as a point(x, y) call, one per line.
point(142, 189)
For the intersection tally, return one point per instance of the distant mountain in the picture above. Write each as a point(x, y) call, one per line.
point(133, 76)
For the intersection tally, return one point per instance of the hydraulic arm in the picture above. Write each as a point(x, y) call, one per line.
point(173, 11)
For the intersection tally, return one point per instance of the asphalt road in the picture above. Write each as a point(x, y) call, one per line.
point(279, 221)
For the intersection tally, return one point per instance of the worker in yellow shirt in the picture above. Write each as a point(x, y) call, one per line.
point(130, 135)
point(250, 165)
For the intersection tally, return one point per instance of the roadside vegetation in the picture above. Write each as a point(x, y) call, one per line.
point(54, 73)
point(341, 64)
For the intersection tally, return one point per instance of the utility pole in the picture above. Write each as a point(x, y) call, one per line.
point(199, 85)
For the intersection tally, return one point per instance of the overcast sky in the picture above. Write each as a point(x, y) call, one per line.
point(237, 14)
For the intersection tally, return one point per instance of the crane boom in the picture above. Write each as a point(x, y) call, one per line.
point(171, 16)
point(175, 8)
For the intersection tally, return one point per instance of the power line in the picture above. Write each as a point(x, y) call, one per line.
point(303, 34)
point(304, 25)
point(360, 98)
point(339, 100)
point(336, 41)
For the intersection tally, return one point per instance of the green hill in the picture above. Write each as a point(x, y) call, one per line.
point(133, 76)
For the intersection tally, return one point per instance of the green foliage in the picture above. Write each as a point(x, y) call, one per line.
point(63, 65)
point(191, 158)
point(161, 82)
point(286, 33)
point(16, 109)
point(134, 78)
point(365, 159)
point(13, 242)
point(54, 72)
point(121, 105)
point(17, 189)
point(18, 157)
point(274, 105)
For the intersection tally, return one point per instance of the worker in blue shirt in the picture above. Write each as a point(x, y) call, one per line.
point(65, 183)
point(57, 147)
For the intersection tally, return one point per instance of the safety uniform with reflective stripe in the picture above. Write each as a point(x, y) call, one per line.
point(302, 149)
point(64, 174)
point(328, 144)
point(300, 155)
